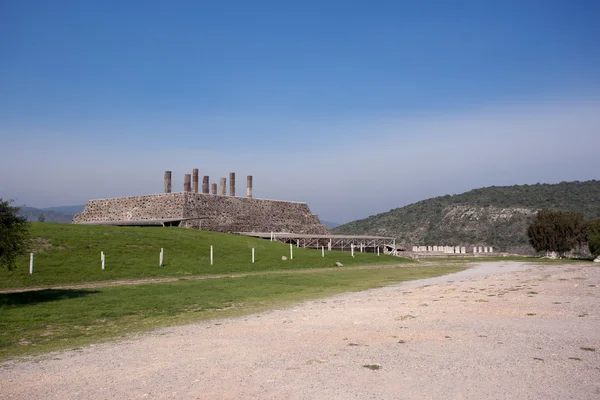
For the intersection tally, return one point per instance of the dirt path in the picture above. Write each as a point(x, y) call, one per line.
point(529, 332)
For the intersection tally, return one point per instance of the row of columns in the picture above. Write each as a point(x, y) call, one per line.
point(190, 184)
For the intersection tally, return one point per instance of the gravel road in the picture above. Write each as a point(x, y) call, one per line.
point(501, 330)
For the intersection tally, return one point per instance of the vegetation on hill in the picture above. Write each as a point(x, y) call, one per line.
point(66, 209)
point(33, 214)
point(498, 216)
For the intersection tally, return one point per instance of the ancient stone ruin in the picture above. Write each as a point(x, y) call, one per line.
point(212, 212)
point(452, 249)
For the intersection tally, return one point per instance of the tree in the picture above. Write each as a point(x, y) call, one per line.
point(594, 244)
point(14, 234)
point(41, 218)
point(556, 231)
point(592, 235)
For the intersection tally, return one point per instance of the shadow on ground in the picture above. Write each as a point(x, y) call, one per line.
point(42, 296)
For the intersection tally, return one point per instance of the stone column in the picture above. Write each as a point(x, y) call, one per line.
point(167, 181)
point(249, 184)
point(232, 183)
point(205, 185)
point(195, 180)
point(187, 185)
point(214, 188)
point(222, 187)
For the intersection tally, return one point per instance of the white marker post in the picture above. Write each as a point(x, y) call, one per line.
point(377, 251)
point(322, 251)
point(297, 242)
point(352, 249)
point(102, 258)
point(291, 251)
point(211, 255)
point(271, 236)
point(253, 255)
point(160, 258)
point(30, 263)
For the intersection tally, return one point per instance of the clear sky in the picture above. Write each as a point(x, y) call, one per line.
point(355, 107)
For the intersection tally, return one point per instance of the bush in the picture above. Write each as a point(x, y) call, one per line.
point(556, 231)
point(594, 244)
point(14, 234)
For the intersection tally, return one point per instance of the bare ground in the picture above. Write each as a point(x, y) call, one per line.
point(505, 330)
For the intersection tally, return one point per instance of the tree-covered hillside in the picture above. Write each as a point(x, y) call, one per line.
point(496, 216)
point(33, 214)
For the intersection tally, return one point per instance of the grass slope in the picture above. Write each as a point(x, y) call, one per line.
point(70, 254)
point(445, 221)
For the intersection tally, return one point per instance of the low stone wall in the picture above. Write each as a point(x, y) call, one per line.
point(157, 206)
point(207, 212)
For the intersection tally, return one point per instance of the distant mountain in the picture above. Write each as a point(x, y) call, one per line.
point(330, 225)
point(66, 209)
point(496, 216)
point(32, 214)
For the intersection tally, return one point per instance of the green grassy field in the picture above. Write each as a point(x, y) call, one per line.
point(70, 254)
point(36, 322)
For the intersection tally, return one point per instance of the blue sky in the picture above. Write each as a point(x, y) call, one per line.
point(355, 107)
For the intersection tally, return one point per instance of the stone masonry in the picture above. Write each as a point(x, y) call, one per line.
point(207, 212)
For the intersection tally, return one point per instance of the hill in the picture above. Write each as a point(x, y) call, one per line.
point(32, 214)
point(496, 216)
point(66, 209)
